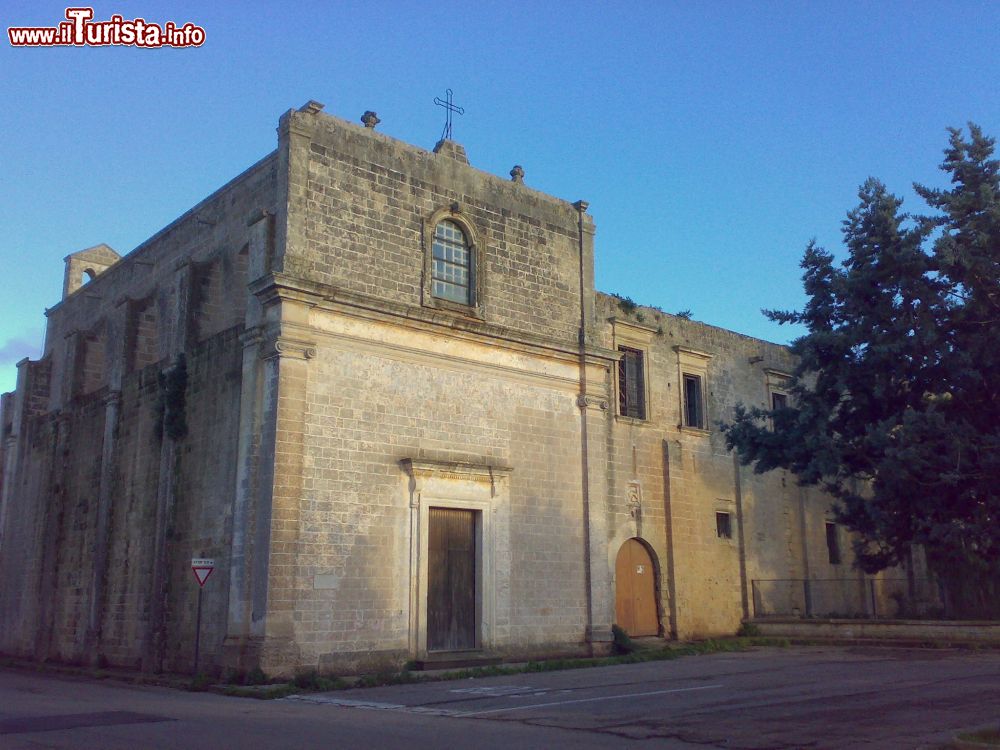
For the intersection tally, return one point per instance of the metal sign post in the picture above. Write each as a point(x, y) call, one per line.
point(202, 569)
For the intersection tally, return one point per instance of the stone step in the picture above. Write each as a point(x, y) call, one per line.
point(456, 660)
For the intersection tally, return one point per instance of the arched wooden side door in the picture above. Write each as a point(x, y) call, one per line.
point(635, 590)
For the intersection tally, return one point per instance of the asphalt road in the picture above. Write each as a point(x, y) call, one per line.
point(767, 698)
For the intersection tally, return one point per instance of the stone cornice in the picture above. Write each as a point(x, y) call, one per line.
point(424, 468)
point(275, 286)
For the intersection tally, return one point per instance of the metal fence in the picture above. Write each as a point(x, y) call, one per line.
point(883, 598)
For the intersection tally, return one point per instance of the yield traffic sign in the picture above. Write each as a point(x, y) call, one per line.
point(202, 569)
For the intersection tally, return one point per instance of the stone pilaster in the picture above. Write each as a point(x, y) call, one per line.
point(278, 516)
point(177, 326)
point(102, 542)
point(295, 130)
point(595, 412)
point(238, 651)
point(115, 364)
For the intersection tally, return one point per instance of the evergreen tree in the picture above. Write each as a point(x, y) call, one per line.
point(895, 406)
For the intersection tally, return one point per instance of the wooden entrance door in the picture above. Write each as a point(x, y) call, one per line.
point(451, 580)
point(635, 590)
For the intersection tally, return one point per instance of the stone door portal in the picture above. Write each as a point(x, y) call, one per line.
point(451, 580)
point(635, 590)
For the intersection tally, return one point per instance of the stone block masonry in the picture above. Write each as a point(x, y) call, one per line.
point(275, 381)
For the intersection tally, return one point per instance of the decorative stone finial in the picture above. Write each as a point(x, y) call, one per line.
point(312, 107)
point(517, 173)
point(370, 119)
point(581, 206)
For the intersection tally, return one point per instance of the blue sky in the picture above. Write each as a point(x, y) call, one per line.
point(712, 139)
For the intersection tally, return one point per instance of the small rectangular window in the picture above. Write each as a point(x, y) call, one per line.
point(631, 384)
point(694, 409)
point(723, 525)
point(779, 401)
point(832, 543)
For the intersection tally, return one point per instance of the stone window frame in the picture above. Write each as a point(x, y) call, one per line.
point(477, 263)
point(637, 337)
point(479, 487)
point(694, 363)
point(777, 384)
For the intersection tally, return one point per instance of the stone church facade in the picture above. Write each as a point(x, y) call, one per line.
point(378, 388)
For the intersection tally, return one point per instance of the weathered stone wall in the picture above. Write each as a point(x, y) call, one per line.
point(389, 375)
point(197, 262)
point(687, 475)
point(202, 522)
point(133, 519)
point(298, 432)
point(359, 209)
point(378, 394)
point(103, 504)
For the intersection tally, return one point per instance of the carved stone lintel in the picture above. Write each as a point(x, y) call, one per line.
point(290, 348)
point(592, 402)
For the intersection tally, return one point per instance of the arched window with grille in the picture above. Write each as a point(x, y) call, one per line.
point(452, 272)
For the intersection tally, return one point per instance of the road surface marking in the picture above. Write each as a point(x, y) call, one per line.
point(589, 700)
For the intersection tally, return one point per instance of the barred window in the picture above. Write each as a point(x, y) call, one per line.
point(723, 525)
point(631, 384)
point(452, 272)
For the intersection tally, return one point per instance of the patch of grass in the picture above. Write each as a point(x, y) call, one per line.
point(389, 678)
point(637, 656)
point(473, 672)
point(262, 692)
point(200, 683)
point(748, 630)
point(989, 737)
point(626, 304)
point(314, 681)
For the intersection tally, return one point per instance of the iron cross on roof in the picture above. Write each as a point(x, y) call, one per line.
point(449, 107)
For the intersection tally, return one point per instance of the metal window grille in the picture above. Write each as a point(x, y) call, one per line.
point(631, 384)
point(451, 278)
point(723, 525)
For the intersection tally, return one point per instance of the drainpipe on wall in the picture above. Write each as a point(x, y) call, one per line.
point(744, 599)
point(669, 534)
point(581, 209)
